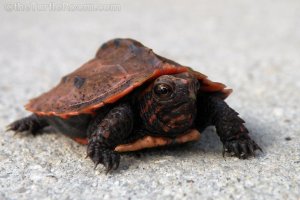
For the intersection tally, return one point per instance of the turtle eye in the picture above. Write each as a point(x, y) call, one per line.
point(163, 90)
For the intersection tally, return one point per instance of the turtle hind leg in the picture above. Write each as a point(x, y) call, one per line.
point(32, 124)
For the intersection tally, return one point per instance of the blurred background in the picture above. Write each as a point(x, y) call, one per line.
point(251, 46)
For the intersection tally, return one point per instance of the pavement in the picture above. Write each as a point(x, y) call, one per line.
point(252, 46)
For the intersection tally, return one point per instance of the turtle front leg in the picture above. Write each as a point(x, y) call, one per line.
point(104, 134)
point(230, 127)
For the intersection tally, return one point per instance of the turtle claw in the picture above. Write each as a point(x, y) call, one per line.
point(8, 128)
point(99, 154)
point(241, 148)
point(258, 148)
point(17, 126)
point(108, 168)
point(96, 164)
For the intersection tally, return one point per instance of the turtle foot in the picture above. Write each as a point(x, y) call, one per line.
point(241, 148)
point(31, 124)
point(100, 154)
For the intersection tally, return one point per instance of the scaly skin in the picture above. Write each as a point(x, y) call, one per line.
point(230, 127)
point(105, 134)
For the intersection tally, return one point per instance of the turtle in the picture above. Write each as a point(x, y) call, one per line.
point(128, 98)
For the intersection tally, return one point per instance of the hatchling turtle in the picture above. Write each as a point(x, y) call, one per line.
point(129, 98)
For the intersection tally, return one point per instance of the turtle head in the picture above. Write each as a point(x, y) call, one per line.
point(168, 105)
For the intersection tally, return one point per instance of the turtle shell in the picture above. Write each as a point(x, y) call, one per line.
point(120, 66)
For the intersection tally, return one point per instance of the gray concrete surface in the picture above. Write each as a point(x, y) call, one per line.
point(252, 46)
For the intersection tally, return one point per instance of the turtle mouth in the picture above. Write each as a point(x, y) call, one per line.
point(185, 107)
point(179, 106)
